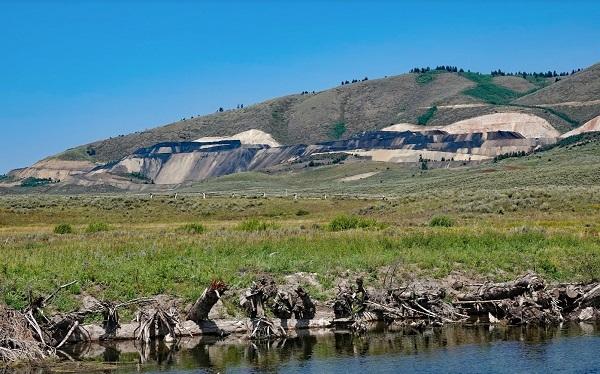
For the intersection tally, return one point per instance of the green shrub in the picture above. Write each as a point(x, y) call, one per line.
point(97, 227)
point(63, 228)
point(193, 228)
point(338, 129)
point(488, 91)
point(302, 212)
point(255, 225)
point(441, 221)
point(427, 116)
point(426, 77)
point(344, 222)
point(35, 182)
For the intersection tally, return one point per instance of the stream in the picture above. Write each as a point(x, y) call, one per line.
point(572, 348)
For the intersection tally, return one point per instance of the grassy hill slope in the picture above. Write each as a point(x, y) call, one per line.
point(577, 96)
point(429, 98)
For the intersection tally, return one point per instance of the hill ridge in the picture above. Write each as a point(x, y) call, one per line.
point(435, 98)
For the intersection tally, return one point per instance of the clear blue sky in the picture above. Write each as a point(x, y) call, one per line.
point(72, 72)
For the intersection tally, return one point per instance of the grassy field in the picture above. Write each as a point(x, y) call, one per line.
point(496, 220)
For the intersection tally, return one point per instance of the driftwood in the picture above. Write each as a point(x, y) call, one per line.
point(265, 328)
point(507, 290)
point(17, 339)
point(420, 301)
point(239, 327)
point(211, 295)
point(31, 335)
point(156, 322)
point(416, 304)
point(350, 301)
point(304, 308)
point(264, 294)
point(527, 301)
point(255, 299)
point(590, 298)
point(282, 305)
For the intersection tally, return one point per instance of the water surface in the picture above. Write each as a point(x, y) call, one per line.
point(570, 349)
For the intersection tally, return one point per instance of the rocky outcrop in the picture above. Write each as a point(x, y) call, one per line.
point(178, 162)
point(528, 125)
point(590, 126)
point(55, 169)
point(172, 163)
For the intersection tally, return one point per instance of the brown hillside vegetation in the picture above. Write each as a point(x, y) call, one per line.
point(582, 86)
point(514, 83)
point(307, 118)
point(577, 96)
point(434, 98)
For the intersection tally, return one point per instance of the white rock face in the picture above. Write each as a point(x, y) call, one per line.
point(252, 136)
point(414, 155)
point(528, 125)
point(589, 126)
point(409, 127)
point(55, 169)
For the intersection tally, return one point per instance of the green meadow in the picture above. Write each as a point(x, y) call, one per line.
point(492, 221)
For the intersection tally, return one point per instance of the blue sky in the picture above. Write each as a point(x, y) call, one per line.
point(72, 72)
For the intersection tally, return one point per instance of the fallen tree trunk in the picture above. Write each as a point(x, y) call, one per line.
point(506, 290)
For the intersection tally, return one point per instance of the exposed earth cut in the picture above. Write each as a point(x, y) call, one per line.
point(412, 118)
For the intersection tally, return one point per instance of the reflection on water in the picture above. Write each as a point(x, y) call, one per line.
point(571, 348)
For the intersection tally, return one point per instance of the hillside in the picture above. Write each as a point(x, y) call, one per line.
point(432, 98)
point(571, 163)
point(577, 96)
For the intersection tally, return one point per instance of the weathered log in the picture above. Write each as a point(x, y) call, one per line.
point(591, 298)
point(264, 328)
point(210, 296)
point(566, 296)
point(157, 322)
point(507, 290)
point(418, 292)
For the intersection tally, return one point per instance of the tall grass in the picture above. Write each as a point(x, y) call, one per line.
point(137, 264)
point(255, 225)
point(63, 228)
point(97, 227)
point(349, 222)
point(441, 221)
point(193, 228)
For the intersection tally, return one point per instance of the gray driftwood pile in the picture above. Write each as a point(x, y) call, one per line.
point(272, 312)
